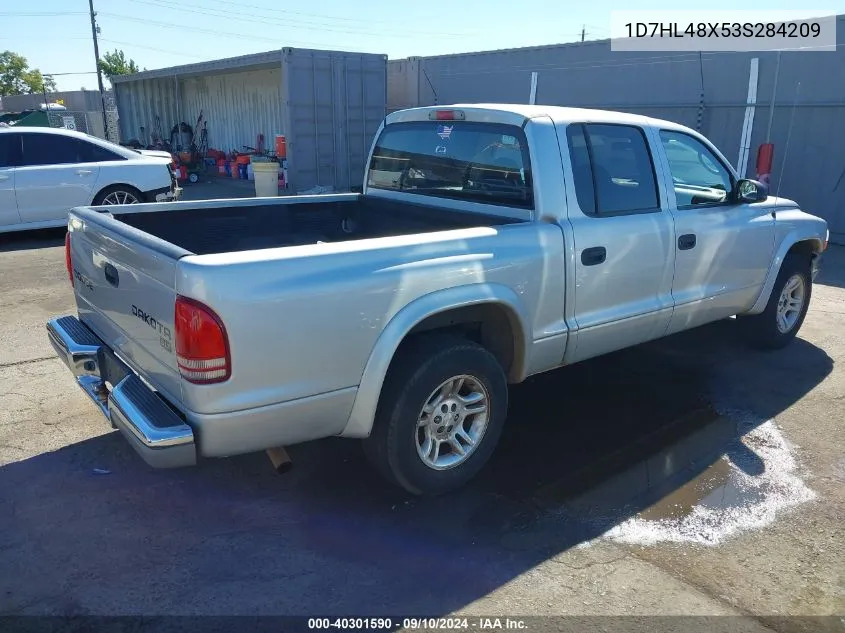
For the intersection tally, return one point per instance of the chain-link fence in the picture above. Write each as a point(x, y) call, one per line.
point(87, 122)
point(78, 121)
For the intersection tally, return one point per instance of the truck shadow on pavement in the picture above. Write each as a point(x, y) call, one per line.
point(32, 240)
point(330, 537)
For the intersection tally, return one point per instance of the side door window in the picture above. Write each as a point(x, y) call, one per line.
point(698, 176)
point(613, 169)
point(54, 149)
point(10, 150)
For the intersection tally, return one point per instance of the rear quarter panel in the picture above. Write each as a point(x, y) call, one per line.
point(303, 320)
point(144, 174)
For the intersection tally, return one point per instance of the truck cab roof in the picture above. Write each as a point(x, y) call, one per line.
point(515, 111)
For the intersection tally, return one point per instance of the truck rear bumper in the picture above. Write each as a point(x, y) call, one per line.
point(153, 429)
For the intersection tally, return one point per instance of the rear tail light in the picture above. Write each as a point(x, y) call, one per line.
point(202, 346)
point(68, 262)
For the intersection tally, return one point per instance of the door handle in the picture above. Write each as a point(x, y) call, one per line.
point(686, 242)
point(593, 256)
point(83, 172)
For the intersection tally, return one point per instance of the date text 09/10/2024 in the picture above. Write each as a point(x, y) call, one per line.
point(427, 624)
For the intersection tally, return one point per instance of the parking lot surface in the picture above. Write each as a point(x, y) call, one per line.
point(686, 476)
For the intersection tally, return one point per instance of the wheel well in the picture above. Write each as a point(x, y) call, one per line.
point(491, 325)
point(119, 185)
point(805, 248)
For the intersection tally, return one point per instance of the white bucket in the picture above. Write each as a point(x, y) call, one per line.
point(266, 179)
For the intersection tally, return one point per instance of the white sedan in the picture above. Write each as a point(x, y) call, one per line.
point(44, 172)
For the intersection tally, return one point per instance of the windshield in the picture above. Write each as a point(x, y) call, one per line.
point(478, 162)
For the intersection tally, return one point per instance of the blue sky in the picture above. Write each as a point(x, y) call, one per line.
point(55, 35)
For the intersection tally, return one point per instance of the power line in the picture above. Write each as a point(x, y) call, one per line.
point(311, 15)
point(39, 14)
point(304, 25)
point(151, 48)
point(168, 25)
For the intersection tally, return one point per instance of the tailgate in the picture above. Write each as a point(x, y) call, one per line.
point(124, 281)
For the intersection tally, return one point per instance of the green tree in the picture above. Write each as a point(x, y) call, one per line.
point(17, 78)
point(115, 63)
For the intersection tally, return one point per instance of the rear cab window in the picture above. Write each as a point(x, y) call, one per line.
point(461, 160)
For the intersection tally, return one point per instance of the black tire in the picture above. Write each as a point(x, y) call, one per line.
point(420, 367)
point(99, 199)
point(761, 330)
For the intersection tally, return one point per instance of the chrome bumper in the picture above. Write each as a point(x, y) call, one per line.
point(153, 429)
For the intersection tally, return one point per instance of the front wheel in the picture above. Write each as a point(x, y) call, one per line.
point(778, 324)
point(440, 415)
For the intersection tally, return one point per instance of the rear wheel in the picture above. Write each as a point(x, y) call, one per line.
point(440, 415)
point(784, 314)
point(118, 194)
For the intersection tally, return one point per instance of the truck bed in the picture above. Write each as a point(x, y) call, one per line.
point(204, 231)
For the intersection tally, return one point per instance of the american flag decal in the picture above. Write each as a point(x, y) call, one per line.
point(444, 131)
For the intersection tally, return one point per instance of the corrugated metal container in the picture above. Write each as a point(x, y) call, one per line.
point(328, 104)
point(238, 106)
point(706, 91)
point(334, 103)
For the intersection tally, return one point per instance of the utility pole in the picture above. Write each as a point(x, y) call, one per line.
point(94, 30)
point(583, 31)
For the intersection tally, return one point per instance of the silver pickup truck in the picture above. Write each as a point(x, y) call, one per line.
point(491, 242)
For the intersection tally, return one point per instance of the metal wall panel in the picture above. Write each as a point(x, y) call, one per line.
point(334, 103)
point(704, 91)
point(140, 102)
point(238, 106)
point(75, 100)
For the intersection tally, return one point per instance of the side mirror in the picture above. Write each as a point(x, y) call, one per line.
point(750, 191)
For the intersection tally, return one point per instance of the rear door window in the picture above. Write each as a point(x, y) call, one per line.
point(613, 169)
point(54, 149)
point(478, 162)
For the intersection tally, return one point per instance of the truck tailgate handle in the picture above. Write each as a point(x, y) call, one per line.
point(593, 256)
point(111, 275)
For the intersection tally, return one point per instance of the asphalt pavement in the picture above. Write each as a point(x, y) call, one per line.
point(689, 476)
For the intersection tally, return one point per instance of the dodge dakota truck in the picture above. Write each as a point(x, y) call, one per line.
point(490, 243)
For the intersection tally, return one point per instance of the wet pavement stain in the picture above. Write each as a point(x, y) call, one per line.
point(712, 488)
point(723, 479)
